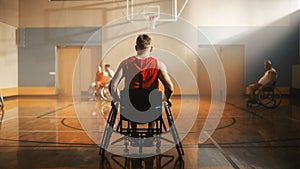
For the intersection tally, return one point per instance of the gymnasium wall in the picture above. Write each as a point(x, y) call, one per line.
point(44, 14)
point(8, 56)
point(38, 56)
point(9, 12)
point(9, 21)
point(266, 29)
point(279, 43)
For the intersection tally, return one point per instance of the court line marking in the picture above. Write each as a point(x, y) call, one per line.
point(7, 119)
point(47, 113)
point(296, 120)
point(255, 114)
point(233, 164)
point(69, 126)
point(46, 142)
point(245, 110)
point(54, 131)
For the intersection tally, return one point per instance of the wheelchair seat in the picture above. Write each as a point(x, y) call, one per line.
point(268, 89)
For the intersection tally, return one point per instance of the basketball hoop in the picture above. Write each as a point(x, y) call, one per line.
point(151, 19)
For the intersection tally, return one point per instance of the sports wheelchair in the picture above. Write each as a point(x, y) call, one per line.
point(133, 131)
point(104, 92)
point(269, 97)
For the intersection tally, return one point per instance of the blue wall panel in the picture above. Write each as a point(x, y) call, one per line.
point(37, 57)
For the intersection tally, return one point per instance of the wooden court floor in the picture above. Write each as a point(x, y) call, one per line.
point(45, 132)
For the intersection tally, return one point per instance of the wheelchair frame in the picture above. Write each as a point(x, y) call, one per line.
point(104, 92)
point(269, 97)
point(109, 129)
point(1, 109)
point(1, 103)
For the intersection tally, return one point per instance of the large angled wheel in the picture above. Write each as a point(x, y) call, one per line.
point(1, 103)
point(270, 98)
point(253, 102)
point(105, 94)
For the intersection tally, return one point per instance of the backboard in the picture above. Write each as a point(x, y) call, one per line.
point(159, 10)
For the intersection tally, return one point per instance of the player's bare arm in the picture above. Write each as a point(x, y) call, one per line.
point(115, 81)
point(165, 79)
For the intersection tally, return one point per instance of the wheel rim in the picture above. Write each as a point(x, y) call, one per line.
point(105, 94)
point(270, 99)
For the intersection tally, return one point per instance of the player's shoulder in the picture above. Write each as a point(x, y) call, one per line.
point(272, 70)
point(161, 65)
point(130, 58)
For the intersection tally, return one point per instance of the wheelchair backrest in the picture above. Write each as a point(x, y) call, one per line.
point(141, 105)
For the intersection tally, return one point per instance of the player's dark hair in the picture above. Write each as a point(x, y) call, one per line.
point(143, 41)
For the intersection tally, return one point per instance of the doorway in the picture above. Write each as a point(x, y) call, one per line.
point(67, 57)
point(75, 73)
point(232, 58)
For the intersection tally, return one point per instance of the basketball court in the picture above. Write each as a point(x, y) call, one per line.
point(44, 132)
point(64, 126)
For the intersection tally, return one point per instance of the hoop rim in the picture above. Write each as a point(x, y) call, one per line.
point(151, 20)
point(151, 17)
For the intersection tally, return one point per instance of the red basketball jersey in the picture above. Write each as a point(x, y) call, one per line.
point(141, 73)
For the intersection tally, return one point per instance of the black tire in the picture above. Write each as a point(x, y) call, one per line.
point(252, 103)
point(270, 99)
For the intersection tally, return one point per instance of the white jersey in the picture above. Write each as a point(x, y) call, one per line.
point(111, 72)
point(268, 77)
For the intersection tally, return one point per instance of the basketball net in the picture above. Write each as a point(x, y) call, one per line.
point(151, 20)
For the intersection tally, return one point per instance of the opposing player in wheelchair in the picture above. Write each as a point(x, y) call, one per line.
point(265, 92)
point(99, 88)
